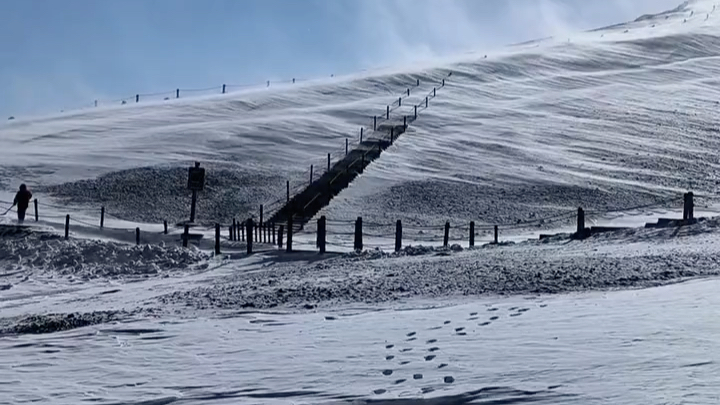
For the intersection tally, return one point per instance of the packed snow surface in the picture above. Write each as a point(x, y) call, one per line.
point(619, 121)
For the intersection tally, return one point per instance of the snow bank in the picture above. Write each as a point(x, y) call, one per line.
point(625, 259)
point(27, 253)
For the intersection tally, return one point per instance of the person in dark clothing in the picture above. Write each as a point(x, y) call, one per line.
point(22, 200)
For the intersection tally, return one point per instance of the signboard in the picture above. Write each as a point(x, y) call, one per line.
point(196, 178)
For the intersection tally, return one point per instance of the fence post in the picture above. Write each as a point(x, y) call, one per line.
point(688, 206)
point(233, 234)
point(415, 112)
point(311, 174)
point(261, 217)
point(446, 237)
point(580, 221)
point(137, 236)
point(267, 233)
point(186, 235)
point(346, 146)
point(289, 233)
point(102, 216)
point(288, 191)
point(249, 225)
point(280, 236)
point(231, 229)
point(418, 82)
point(322, 234)
point(399, 101)
point(398, 235)
point(388, 112)
point(217, 239)
point(328, 169)
point(405, 121)
point(358, 234)
point(691, 204)
point(408, 92)
point(434, 91)
point(273, 232)
point(137, 98)
point(426, 101)
point(177, 93)
point(443, 83)
point(242, 231)
point(361, 134)
point(223, 91)
point(35, 202)
point(496, 234)
point(165, 227)
point(472, 233)
point(67, 226)
point(375, 123)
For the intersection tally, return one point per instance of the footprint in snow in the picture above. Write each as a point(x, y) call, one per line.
point(472, 318)
point(516, 314)
point(411, 339)
point(473, 313)
point(484, 324)
point(387, 372)
point(446, 322)
point(494, 318)
point(523, 309)
point(431, 341)
point(443, 365)
point(492, 309)
point(459, 329)
point(389, 346)
point(400, 381)
point(380, 391)
point(411, 334)
point(389, 357)
point(462, 333)
point(429, 357)
point(406, 350)
point(433, 349)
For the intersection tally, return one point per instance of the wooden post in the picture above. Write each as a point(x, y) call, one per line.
point(496, 235)
point(273, 233)
point(280, 236)
point(137, 236)
point(223, 91)
point(691, 204)
point(249, 225)
point(289, 233)
point(399, 101)
point(472, 233)
point(230, 232)
point(427, 99)
point(288, 191)
point(375, 123)
point(177, 93)
point(358, 234)
point(418, 82)
point(165, 227)
point(361, 134)
point(405, 121)
point(311, 174)
point(688, 206)
point(322, 234)
point(346, 146)
point(67, 226)
point(242, 232)
point(328, 169)
point(443, 83)
point(415, 112)
point(446, 238)
point(398, 235)
point(36, 210)
point(580, 222)
point(408, 92)
point(434, 90)
point(388, 112)
point(217, 239)
point(186, 235)
point(137, 98)
point(102, 216)
point(233, 234)
point(261, 217)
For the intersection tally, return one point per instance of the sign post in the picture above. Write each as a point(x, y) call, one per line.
point(196, 182)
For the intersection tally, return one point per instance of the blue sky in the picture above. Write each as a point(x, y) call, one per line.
point(60, 54)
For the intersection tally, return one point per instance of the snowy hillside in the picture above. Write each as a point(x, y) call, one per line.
point(610, 119)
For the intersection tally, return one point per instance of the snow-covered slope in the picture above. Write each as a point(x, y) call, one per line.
point(608, 119)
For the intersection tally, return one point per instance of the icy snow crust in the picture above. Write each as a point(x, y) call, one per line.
point(609, 120)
